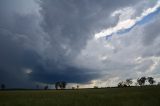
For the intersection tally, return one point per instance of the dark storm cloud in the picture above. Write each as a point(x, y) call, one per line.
point(48, 42)
point(68, 26)
point(72, 22)
point(13, 58)
point(68, 74)
point(17, 33)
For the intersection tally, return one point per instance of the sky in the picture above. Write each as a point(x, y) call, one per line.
point(84, 42)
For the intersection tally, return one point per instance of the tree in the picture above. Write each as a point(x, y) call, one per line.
point(129, 82)
point(77, 86)
point(57, 85)
point(3, 86)
point(141, 81)
point(122, 84)
point(95, 87)
point(61, 85)
point(151, 80)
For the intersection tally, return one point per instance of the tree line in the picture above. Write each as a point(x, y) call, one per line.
point(58, 85)
point(140, 82)
point(128, 82)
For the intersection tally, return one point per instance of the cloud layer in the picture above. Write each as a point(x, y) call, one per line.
point(45, 41)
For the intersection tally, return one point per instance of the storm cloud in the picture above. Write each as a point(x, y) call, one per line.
point(45, 41)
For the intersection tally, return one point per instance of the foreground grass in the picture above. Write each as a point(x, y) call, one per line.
point(147, 96)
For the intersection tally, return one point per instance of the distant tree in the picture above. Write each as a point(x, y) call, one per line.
point(151, 80)
point(129, 82)
point(122, 84)
point(57, 85)
point(61, 85)
point(95, 87)
point(3, 86)
point(158, 84)
point(77, 86)
point(141, 81)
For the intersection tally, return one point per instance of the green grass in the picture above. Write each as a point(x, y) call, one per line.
point(146, 96)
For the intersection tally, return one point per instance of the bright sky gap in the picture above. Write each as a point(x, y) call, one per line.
point(127, 25)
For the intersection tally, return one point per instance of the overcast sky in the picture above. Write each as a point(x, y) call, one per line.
point(86, 42)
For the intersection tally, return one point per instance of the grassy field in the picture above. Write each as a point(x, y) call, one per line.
point(146, 96)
